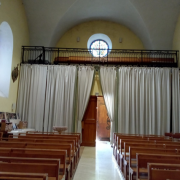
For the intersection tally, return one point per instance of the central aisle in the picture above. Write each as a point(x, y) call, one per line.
point(97, 163)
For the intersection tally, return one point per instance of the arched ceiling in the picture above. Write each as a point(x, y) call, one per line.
point(153, 21)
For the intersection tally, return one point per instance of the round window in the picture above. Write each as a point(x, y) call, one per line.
point(99, 45)
point(99, 48)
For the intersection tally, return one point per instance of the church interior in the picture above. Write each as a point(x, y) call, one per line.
point(89, 89)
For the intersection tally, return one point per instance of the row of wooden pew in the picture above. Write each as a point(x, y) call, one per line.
point(175, 135)
point(37, 155)
point(149, 157)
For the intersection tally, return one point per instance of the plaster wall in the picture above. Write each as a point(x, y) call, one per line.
point(176, 40)
point(12, 11)
point(111, 29)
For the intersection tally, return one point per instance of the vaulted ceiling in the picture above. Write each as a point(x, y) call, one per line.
point(153, 21)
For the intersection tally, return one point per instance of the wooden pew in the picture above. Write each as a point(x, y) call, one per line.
point(54, 133)
point(37, 153)
point(1, 135)
point(30, 160)
point(23, 176)
point(54, 141)
point(176, 135)
point(76, 136)
point(144, 159)
point(60, 137)
point(120, 152)
point(161, 171)
point(160, 144)
point(125, 156)
point(69, 163)
point(134, 150)
point(169, 134)
point(51, 169)
point(137, 138)
point(68, 135)
point(131, 136)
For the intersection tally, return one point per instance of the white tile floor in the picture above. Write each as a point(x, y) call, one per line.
point(97, 164)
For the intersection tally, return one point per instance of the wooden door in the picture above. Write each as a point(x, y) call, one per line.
point(103, 121)
point(89, 123)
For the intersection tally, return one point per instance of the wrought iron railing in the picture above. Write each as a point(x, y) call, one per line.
point(53, 55)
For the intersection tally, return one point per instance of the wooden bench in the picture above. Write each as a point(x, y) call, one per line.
point(160, 144)
point(161, 171)
point(54, 141)
point(133, 162)
point(125, 153)
point(76, 137)
point(1, 135)
point(23, 176)
point(67, 147)
point(37, 153)
point(51, 169)
point(136, 138)
point(54, 138)
point(144, 159)
point(68, 135)
point(55, 133)
point(49, 141)
point(29, 160)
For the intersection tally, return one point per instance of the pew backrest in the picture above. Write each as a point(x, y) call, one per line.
point(36, 153)
point(144, 159)
point(155, 170)
point(148, 145)
point(51, 169)
point(134, 150)
point(49, 141)
point(11, 175)
point(30, 145)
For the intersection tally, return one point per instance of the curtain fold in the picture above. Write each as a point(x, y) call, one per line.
point(85, 79)
point(175, 100)
point(144, 100)
point(108, 84)
point(31, 95)
point(23, 91)
point(59, 105)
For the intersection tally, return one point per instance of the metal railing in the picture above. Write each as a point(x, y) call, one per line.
point(53, 55)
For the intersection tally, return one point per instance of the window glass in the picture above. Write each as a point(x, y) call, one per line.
point(99, 48)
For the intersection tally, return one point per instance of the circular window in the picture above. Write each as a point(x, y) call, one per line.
point(99, 48)
point(99, 45)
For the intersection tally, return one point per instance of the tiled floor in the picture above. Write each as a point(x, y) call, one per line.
point(97, 164)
